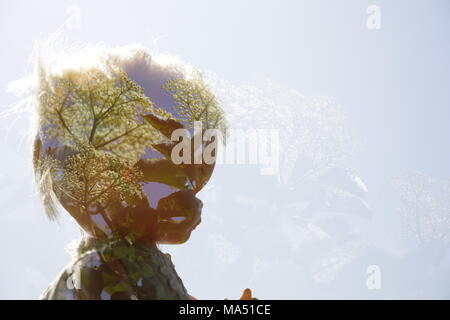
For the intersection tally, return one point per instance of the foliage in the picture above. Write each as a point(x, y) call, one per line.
point(90, 107)
point(425, 207)
point(196, 102)
point(92, 177)
point(97, 125)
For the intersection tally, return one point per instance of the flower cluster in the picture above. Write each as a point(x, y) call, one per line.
point(196, 102)
point(91, 178)
point(81, 107)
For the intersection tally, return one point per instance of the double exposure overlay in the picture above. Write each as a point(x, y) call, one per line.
point(196, 149)
point(103, 152)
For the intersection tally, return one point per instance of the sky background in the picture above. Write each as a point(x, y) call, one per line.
point(391, 84)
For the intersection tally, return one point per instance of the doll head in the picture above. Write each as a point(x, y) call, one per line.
point(104, 147)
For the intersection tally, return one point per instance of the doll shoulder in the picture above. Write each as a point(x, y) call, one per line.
point(90, 277)
point(96, 276)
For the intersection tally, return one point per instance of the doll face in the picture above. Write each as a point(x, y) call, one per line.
point(105, 149)
point(177, 211)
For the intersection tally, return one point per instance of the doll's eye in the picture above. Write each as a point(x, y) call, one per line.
point(177, 219)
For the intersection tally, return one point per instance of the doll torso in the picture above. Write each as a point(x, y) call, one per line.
point(118, 269)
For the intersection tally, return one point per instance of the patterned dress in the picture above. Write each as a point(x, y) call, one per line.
point(118, 269)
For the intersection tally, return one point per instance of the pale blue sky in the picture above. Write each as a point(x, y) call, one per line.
point(393, 84)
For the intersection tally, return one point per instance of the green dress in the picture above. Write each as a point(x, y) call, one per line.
point(112, 269)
